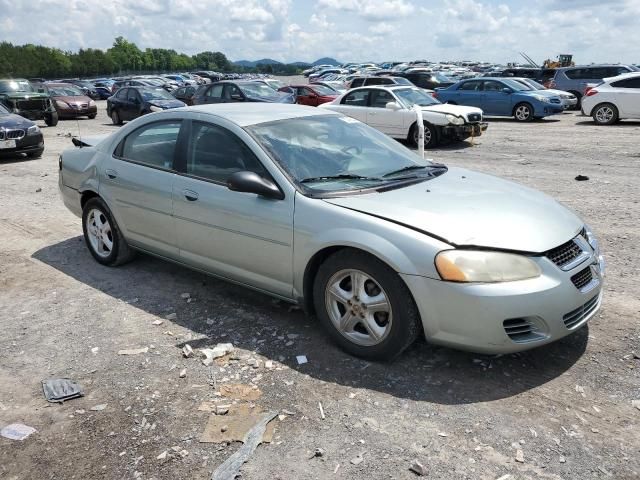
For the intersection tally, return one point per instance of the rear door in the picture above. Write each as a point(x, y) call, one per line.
point(131, 108)
point(305, 96)
point(354, 104)
point(469, 93)
point(137, 182)
point(214, 93)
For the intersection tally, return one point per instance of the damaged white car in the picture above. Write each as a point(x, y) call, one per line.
point(390, 110)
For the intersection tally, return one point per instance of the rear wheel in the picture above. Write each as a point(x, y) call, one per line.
point(605, 114)
point(523, 112)
point(430, 135)
point(51, 119)
point(102, 234)
point(365, 306)
point(115, 117)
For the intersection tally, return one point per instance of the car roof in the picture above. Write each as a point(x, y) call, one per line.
point(599, 65)
point(243, 114)
point(622, 76)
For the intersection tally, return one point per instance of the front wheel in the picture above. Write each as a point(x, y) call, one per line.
point(430, 135)
point(605, 114)
point(523, 112)
point(92, 116)
point(51, 119)
point(102, 235)
point(365, 306)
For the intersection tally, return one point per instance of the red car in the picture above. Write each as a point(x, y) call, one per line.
point(312, 95)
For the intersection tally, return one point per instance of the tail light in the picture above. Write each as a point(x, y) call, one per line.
point(434, 94)
point(590, 92)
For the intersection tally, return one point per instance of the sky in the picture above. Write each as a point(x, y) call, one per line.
point(348, 30)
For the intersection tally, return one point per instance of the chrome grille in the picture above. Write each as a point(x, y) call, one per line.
point(582, 278)
point(15, 134)
point(574, 317)
point(565, 253)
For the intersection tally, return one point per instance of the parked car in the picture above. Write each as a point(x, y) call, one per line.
point(185, 94)
point(321, 73)
point(271, 82)
point(19, 135)
point(88, 88)
point(501, 97)
point(334, 85)
point(311, 95)
point(390, 110)
point(129, 103)
point(239, 91)
point(103, 92)
point(71, 102)
point(323, 211)
point(615, 99)
point(569, 100)
point(369, 81)
point(541, 75)
point(575, 79)
point(18, 95)
point(428, 80)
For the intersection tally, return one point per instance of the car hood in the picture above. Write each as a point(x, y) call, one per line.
point(167, 103)
point(14, 121)
point(459, 110)
point(466, 208)
point(24, 95)
point(72, 99)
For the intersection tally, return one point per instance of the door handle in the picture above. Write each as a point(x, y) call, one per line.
point(190, 195)
point(111, 173)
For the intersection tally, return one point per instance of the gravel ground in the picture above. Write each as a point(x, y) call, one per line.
point(562, 411)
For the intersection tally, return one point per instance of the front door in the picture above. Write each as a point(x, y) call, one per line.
point(137, 182)
point(384, 119)
point(131, 108)
point(240, 236)
point(495, 100)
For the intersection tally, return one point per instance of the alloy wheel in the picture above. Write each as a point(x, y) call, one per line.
point(427, 136)
point(604, 114)
point(99, 233)
point(523, 112)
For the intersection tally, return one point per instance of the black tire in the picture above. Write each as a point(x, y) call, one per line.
point(605, 114)
point(51, 119)
point(115, 117)
point(431, 135)
point(120, 252)
point(405, 321)
point(36, 154)
point(92, 116)
point(523, 112)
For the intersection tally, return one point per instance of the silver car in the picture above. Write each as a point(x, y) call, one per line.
point(321, 210)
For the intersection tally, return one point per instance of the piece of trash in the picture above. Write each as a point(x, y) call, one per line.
point(335, 470)
point(133, 351)
point(268, 364)
point(183, 373)
point(162, 456)
point(582, 178)
point(157, 322)
point(635, 403)
point(99, 408)
point(240, 391)
point(224, 428)
point(562, 459)
point(318, 452)
point(220, 350)
point(418, 468)
point(17, 431)
point(239, 420)
point(94, 350)
point(302, 359)
point(38, 190)
point(321, 410)
point(357, 460)
point(231, 466)
point(58, 390)
point(443, 434)
point(187, 351)
point(185, 295)
point(222, 409)
point(519, 455)
point(171, 316)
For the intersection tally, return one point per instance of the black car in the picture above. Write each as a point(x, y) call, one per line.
point(241, 91)
point(132, 102)
point(185, 94)
point(428, 80)
point(19, 135)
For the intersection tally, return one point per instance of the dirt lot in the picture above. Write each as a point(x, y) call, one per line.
point(567, 407)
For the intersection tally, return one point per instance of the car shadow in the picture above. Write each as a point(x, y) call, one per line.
point(224, 312)
point(513, 120)
point(444, 146)
point(8, 158)
point(621, 123)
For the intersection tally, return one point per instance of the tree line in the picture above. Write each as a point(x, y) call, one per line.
point(124, 57)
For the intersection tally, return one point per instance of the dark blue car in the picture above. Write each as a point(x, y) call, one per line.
point(501, 97)
point(129, 103)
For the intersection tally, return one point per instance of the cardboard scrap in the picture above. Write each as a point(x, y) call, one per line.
point(237, 424)
point(240, 391)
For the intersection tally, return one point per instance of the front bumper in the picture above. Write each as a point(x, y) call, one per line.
point(464, 131)
point(553, 109)
point(26, 144)
point(70, 112)
point(569, 102)
point(478, 317)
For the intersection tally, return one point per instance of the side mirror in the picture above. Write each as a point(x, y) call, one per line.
point(506, 90)
point(251, 182)
point(392, 106)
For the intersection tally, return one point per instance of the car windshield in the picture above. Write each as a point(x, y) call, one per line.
point(65, 91)
point(275, 84)
point(515, 85)
point(535, 85)
point(257, 90)
point(442, 78)
point(402, 81)
point(149, 94)
point(15, 86)
point(415, 96)
point(322, 90)
point(333, 153)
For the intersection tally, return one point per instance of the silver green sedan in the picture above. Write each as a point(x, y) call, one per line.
point(321, 210)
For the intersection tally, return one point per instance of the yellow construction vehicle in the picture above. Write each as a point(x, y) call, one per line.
point(563, 60)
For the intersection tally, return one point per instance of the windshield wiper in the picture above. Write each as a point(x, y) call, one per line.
point(341, 176)
point(408, 168)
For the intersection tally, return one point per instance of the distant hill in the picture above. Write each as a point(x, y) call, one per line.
point(300, 64)
point(270, 61)
point(326, 61)
point(263, 61)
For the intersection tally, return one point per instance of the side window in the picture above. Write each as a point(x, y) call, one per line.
point(374, 81)
point(380, 98)
point(301, 91)
point(492, 86)
point(358, 98)
point(216, 153)
point(615, 71)
point(153, 145)
point(231, 90)
point(215, 91)
point(181, 91)
point(308, 92)
point(132, 96)
point(190, 90)
point(470, 86)
point(357, 82)
point(121, 94)
point(628, 83)
point(574, 74)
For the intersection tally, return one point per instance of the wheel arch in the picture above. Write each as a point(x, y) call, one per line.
point(86, 196)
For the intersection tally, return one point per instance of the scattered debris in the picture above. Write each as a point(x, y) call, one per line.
point(443, 434)
point(231, 466)
point(582, 178)
point(302, 359)
point(224, 428)
point(237, 422)
point(17, 431)
point(95, 350)
point(133, 351)
point(519, 455)
point(417, 468)
point(157, 322)
point(185, 296)
point(240, 391)
point(220, 350)
point(562, 459)
point(222, 409)
point(171, 316)
point(269, 365)
point(187, 351)
point(99, 408)
point(321, 410)
point(318, 452)
point(580, 390)
point(357, 460)
point(335, 470)
point(506, 476)
point(183, 373)
point(38, 190)
point(162, 456)
point(58, 390)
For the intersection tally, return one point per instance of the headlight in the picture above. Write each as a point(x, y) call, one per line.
point(34, 130)
point(484, 266)
point(542, 98)
point(153, 108)
point(455, 120)
point(92, 103)
point(591, 238)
